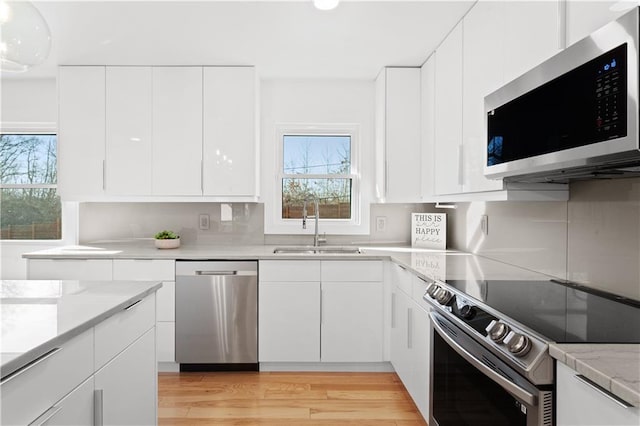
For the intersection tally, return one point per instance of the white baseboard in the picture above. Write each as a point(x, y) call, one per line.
point(377, 367)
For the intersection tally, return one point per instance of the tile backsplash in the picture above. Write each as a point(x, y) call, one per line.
point(593, 239)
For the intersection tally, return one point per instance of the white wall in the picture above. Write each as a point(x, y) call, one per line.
point(316, 102)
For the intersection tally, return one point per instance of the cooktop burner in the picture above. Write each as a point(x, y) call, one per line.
point(563, 312)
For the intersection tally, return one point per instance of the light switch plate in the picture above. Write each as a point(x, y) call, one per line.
point(381, 223)
point(203, 222)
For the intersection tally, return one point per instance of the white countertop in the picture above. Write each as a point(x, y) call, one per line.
point(38, 315)
point(615, 367)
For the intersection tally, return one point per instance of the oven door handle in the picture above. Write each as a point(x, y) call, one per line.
point(511, 387)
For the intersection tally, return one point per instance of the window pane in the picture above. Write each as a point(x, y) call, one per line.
point(28, 159)
point(334, 197)
point(316, 154)
point(30, 214)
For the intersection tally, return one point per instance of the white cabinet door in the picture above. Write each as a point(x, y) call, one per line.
point(128, 385)
point(289, 321)
point(400, 356)
point(531, 35)
point(81, 132)
point(128, 130)
point(177, 131)
point(448, 116)
point(352, 324)
point(229, 150)
point(483, 73)
point(402, 134)
point(579, 404)
point(419, 353)
point(74, 409)
point(584, 17)
point(427, 125)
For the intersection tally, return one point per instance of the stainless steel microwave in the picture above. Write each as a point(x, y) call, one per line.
point(573, 116)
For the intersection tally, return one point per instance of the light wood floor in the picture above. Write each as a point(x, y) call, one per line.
point(270, 398)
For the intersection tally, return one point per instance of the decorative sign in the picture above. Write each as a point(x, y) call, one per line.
point(429, 230)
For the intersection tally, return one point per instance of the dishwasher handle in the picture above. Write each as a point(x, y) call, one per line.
point(216, 272)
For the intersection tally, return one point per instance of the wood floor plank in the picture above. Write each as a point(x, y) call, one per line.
point(277, 398)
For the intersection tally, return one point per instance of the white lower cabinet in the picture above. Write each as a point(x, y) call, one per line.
point(64, 387)
point(289, 321)
point(351, 322)
point(125, 388)
point(302, 318)
point(581, 404)
point(410, 348)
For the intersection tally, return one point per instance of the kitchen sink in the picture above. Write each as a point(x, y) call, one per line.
point(316, 250)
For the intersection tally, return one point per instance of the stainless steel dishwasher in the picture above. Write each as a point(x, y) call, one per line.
point(216, 315)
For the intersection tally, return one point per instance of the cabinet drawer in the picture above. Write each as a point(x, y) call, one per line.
point(28, 394)
point(348, 270)
point(289, 270)
point(401, 278)
point(116, 333)
point(143, 269)
point(70, 269)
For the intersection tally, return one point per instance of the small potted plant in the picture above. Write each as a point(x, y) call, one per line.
point(167, 240)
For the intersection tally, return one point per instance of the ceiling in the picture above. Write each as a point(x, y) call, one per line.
point(285, 39)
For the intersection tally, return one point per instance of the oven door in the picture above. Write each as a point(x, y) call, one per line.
point(471, 386)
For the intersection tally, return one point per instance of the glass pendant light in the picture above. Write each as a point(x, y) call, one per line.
point(326, 4)
point(25, 39)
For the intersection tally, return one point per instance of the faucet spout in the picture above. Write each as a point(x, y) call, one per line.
point(316, 217)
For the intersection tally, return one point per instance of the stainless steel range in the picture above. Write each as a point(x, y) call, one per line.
point(490, 357)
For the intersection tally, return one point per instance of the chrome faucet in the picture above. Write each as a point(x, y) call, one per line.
point(316, 239)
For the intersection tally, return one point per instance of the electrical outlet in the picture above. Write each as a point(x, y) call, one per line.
point(484, 224)
point(381, 223)
point(203, 222)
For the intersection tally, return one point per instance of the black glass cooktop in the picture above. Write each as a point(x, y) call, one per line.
point(561, 311)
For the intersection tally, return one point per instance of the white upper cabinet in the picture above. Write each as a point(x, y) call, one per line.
point(448, 115)
point(177, 131)
point(230, 163)
point(129, 124)
point(584, 17)
point(81, 132)
point(428, 124)
point(144, 133)
point(398, 134)
point(494, 43)
point(483, 61)
point(532, 35)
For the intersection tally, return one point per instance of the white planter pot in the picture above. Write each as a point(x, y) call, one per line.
point(168, 244)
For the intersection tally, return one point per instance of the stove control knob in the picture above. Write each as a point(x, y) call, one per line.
point(432, 290)
point(468, 312)
point(444, 297)
point(518, 344)
point(497, 331)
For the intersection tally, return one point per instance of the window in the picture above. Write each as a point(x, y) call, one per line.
point(318, 164)
point(30, 209)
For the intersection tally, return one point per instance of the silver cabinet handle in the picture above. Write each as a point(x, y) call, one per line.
point(29, 366)
point(46, 416)
point(132, 305)
point(321, 307)
point(460, 165)
point(507, 384)
point(98, 408)
point(621, 402)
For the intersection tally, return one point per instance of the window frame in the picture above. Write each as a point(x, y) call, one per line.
point(328, 225)
point(68, 211)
